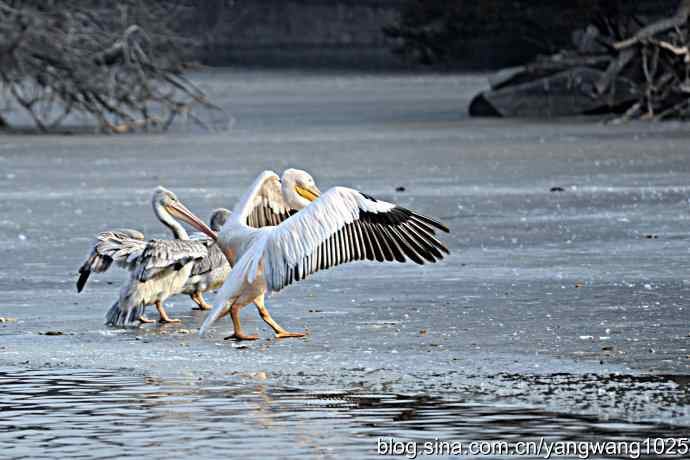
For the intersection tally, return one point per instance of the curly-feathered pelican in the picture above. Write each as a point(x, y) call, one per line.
point(209, 273)
point(158, 268)
point(116, 246)
point(283, 230)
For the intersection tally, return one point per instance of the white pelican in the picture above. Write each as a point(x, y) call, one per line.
point(283, 230)
point(117, 246)
point(158, 268)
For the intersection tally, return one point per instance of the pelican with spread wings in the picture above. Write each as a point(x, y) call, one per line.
point(283, 230)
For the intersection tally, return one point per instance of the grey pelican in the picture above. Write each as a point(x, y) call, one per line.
point(158, 268)
point(283, 230)
point(210, 272)
point(117, 246)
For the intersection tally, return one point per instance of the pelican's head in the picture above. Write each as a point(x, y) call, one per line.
point(218, 218)
point(299, 188)
point(166, 201)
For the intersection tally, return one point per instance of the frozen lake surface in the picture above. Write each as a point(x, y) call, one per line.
point(563, 314)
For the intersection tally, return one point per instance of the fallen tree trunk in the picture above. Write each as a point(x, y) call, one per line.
point(562, 94)
point(646, 75)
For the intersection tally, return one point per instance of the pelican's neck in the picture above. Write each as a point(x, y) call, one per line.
point(169, 221)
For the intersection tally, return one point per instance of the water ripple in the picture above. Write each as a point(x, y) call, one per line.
point(98, 414)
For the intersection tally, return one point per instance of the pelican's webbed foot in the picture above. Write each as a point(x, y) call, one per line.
point(285, 334)
point(164, 314)
point(241, 336)
point(169, 320)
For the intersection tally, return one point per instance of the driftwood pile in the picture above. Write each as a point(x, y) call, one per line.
point(120, 63)
point(620, 65)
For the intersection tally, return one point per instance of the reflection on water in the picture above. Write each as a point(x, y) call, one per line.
point(59, 413)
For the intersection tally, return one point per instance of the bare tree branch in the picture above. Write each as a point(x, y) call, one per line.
point(121, 63)
point(678, 20)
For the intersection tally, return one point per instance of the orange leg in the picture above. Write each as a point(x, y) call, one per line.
point(266, 316)
point(164, 314)
point(235, 315)
point(198, 299)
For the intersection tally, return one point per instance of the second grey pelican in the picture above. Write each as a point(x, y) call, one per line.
point(158, 268)
point(283, 230)
point(210, 272)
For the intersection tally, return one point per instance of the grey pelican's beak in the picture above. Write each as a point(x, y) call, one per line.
point(309, 192)
point(180, 211)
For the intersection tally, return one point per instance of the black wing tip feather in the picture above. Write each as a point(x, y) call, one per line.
point(437, 224)
point(427, 220)
point(410, 213)
point(396, 235)
point(83, 277)
point(413, 233)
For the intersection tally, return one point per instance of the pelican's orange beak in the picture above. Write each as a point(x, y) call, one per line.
point(308, 192)
point(180, 211)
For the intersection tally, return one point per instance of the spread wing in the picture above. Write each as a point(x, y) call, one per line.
point(263, 204)
point(121, 246)
point(161, 256)
point(344, 225)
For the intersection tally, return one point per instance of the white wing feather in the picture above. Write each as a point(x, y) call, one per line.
point(298, 237)
point(262, 205)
